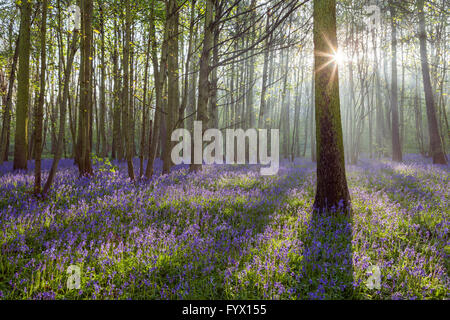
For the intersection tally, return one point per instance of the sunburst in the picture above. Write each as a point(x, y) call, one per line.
point(335, 57)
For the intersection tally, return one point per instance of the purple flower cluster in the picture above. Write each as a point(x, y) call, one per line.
point(225, 233)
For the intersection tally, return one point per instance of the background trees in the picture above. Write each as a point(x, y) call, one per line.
point(436, 150)
point(148, 67)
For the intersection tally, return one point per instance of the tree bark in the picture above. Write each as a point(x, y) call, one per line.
point(85, 109)
point(62, 114)
point(103, 141)
point(40, 105)
point(262, 108)
point(396, 147)
point(437, 152)
point(173, 85)
point(203, 85)
point(7, 101)
point(332, 190)
point(159, 73)
point(23, 89)
point(126, 90)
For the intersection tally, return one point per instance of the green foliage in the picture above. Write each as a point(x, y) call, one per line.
point(104, 164)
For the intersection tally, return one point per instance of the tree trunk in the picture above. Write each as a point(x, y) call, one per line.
point(173, 84)
point(159, 73)
point(126, 90)
point(435, 142)
point(62, 114)
point(7, 101)
point(84, 132)
point(203, 85)
point(379, 108)
point(101, 124)
point(144, 111)
point(23, 89)
point(396, 147)
point(117, 151)
point(313, 120)
point(332, 190)
point(262, 107)
point(40, 105)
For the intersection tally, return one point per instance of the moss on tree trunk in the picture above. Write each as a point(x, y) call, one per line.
point(332, 187)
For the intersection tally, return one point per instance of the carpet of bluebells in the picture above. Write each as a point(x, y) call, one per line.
point(226, 233)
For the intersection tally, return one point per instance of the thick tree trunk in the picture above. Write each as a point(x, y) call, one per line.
point(85, 110)
point(203, 85)
point(173, 85)
point(23, 89)
point(332, 190)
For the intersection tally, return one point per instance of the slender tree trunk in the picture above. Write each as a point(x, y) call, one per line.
point(402, 96)
point(396, 147)
point(313, 119)
point(262, 108)
point(40, 105)
point(144, 110)
point(101, 124)
point(379, 108)
point(251, 71)
point(192, 101)
point(284, 116)
point(186, 110)
point(418, 117)
point(159, 75)
point(214, 114)
point(435, 142)
point(126, 90)
point(117, 136)
point(295, 149)
point(63, 102)
point(4, 143)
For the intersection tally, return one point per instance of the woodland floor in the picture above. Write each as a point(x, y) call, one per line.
point(226, 233)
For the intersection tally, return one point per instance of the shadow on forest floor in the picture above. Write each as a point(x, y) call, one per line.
point(327, 266)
